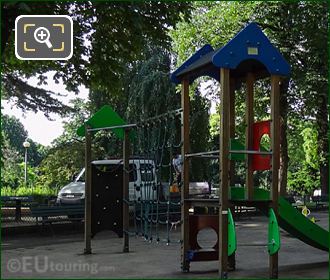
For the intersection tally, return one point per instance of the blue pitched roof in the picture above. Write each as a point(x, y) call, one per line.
point(251, 43)
point(198, 60)
point(249, 51)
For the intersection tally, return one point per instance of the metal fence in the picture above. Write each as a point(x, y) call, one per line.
point(16, 210)
point(19, 211)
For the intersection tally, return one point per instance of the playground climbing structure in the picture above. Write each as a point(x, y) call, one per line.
point(248, 57)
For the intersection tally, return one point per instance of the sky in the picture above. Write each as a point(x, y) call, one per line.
point(39, 128)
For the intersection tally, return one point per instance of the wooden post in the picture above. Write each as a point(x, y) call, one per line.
point(224, 172)
point(126, 190)
point(231, 259)
point(275, 144)
point(88, 191)
point(232, 127)
point(185, 176)
point(249, 134)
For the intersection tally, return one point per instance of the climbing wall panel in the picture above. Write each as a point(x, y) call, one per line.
point(107, 198)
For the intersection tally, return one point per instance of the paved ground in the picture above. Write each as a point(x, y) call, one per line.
point(60, 256)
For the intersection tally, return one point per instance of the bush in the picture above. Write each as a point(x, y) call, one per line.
point(36, 191)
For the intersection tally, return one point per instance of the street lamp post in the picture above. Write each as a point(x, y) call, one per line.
point(26, 145)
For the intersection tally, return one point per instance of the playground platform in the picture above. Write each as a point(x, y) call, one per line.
point(60, 256)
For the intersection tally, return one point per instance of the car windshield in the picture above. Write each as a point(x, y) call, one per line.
point(132, 173)
point(81, 176)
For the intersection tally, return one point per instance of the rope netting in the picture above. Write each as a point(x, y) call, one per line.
point(154, 207)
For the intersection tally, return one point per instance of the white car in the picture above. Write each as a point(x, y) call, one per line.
point(142, 182)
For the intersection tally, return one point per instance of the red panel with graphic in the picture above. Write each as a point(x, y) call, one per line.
point(260, 162)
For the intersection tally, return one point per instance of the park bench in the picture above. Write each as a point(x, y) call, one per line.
point(322, 201)
point(16, 201)
point(45, 214)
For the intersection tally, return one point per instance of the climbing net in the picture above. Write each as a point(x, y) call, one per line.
point(156, 208)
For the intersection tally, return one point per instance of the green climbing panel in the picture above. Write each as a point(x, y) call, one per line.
point(236, 145)
point(232, 244)
point(238, 193)
point(274, 241)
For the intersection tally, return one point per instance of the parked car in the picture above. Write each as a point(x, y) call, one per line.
point(142, 181)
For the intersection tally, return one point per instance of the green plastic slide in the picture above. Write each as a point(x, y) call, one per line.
point(291, 220)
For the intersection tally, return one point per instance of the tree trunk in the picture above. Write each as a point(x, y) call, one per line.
point(284, 158)
point(323, 145)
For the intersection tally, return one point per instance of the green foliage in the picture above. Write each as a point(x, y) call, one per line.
point(300, 30)
point(12, 150)
point(61, 163)
point(14, 134)
point(149, 90)
point(37, 192)
point(13, 175)
point(66, 157)
point(304, 176)
point(304, 181)
point(214, 124)
point(212, 23)
point(310, 147)
point(199, 135)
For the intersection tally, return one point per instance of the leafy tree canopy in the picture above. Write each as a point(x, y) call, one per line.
point(108, 38)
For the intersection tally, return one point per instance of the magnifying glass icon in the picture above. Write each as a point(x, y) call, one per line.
point(41, 35)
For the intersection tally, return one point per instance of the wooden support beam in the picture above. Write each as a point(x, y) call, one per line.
point(224, 172)
point(275, 145)
point(185, 175)
point(249, 134)
point(88, 191)
point(232, 258)
point(232, 127)
point(126, 190)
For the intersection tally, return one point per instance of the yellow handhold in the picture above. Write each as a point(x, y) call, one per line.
point(313, 220)
point(305, 211)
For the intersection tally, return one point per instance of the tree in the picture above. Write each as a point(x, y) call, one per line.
point(66, 155)
point(292, 27)
point(12, 154)
point(15, 133)
point(149, 90)
point(10, 160)
point(107, 38)
point(15, 72)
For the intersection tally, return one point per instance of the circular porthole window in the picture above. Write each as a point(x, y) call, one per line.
point(207, 238)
